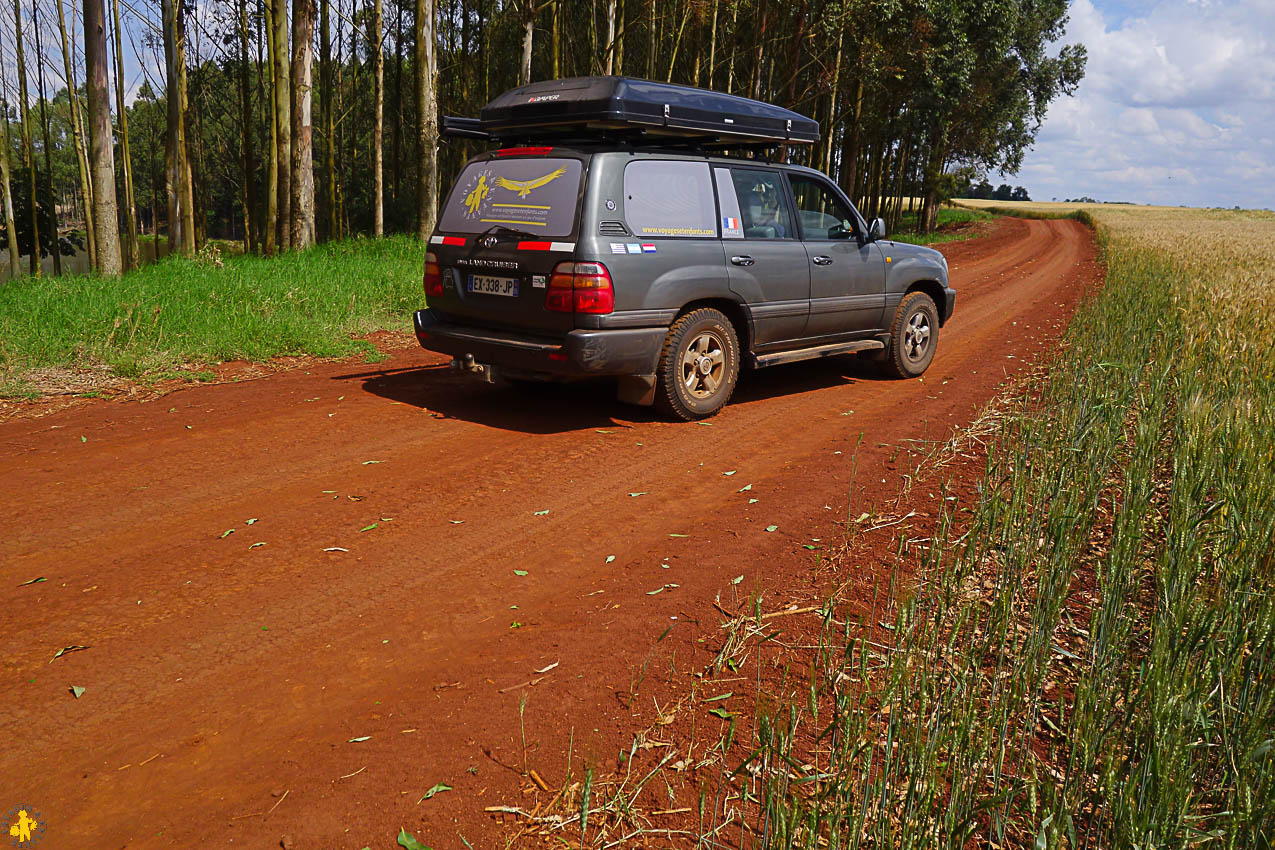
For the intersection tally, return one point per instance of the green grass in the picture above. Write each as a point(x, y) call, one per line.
point(205, 310)
point(1092, 663)
point(953, 226)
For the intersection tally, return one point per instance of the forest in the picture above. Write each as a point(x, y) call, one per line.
point(133, 129)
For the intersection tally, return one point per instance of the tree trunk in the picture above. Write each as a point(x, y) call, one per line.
point(302, 127)
point(44, 129)
point(132, 252)
point(378, 124)
point(28, 148)
point(104, 213)
point(427, 117)
point(6, 185)
point(271, 235)
point(331, 226)
point(730, 73)
point(283, 119)
point(712, 46)
point(245, 137)
point(609, 67)
point(77, 135)
point(619, 42)
point(528, 33)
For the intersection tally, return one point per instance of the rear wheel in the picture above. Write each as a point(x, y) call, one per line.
point(913, 338)
point(699, 365)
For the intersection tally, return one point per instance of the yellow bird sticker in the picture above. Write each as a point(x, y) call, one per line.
point(524, 187)
point(475, 198)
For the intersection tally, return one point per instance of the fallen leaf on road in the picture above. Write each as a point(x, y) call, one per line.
point(249, 521)
point(720, 712)
point(335, 549)
point(736, 579)
point(610, 558)
point(33, 581)
point(456, 521)
point(661, 589)
point(77, 691)
point(540, 513)
point(359, 740)
point(546, 669)
point(753, 501)
point(772, 528)
point(370, 462)
point(408, 841)
point(368, 527)
point(515, 625)
point(227, 533)
point(726, 695)
point(635, 495)
point(679, 535)
point(808, 546)
point(745, 488)
point(437, 789)
point(75, 647)
point(257, 544)
point(732, 472)
point(520, 572)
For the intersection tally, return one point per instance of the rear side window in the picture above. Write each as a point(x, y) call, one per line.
point(670, 198)
point(763, 206)
point(536, 195)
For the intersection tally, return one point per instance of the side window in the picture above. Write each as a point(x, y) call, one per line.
point(670, 198)
point(763, 208)
point(823, 215)
point(728, 204)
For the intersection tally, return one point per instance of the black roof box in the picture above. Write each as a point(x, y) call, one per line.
point(587, 107)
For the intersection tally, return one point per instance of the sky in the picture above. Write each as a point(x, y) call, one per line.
point(1177, 107)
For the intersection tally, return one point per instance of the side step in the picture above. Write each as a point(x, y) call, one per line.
point(762, 360)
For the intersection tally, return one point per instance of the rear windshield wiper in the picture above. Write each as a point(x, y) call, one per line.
point(504, 229)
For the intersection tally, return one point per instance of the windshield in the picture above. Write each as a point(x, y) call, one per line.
point(536, 195)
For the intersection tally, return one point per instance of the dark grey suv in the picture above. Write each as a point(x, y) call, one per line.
point(647, 256)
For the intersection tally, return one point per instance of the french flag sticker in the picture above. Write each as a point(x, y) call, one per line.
point(648, 248)
point(730, 223)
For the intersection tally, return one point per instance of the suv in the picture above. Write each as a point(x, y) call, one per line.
point(652, 258)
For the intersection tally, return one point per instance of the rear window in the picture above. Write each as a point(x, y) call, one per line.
point(537, 195)
point(669, 198)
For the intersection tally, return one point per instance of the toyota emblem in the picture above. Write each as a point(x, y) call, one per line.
point(490, 242)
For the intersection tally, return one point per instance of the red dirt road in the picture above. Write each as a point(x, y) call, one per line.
point(225, 679)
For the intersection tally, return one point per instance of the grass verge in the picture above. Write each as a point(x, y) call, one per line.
point(1092, 663)
point(209, 309)
point(954, 225)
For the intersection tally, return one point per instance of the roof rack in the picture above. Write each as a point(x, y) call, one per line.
point(633, 111)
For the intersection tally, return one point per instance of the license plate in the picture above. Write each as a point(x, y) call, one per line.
point(493, 285)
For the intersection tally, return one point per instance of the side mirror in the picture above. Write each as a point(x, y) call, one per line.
point(876, 230)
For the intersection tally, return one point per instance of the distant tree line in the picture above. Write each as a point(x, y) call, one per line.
point(983, 190)
point(264, 121)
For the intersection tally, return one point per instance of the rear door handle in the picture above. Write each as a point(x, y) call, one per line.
point(743, 260)
point(822, 261)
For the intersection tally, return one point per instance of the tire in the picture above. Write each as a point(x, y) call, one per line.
point(914, 337)
point(699, 366)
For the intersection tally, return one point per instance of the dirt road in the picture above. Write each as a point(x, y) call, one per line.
point(405, 550)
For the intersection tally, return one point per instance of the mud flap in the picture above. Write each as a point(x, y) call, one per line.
point(636, 389)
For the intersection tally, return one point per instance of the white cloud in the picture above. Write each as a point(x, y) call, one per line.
point(1177, 107)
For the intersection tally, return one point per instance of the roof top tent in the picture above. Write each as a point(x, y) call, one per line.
point(625, 108)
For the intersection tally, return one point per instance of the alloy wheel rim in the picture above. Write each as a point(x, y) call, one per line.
point(704, 365)
point(916, 338)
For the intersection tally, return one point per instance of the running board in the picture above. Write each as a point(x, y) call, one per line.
point(762, 360)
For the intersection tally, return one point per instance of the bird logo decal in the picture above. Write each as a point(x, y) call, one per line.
point(477, 195)
point(524, 187)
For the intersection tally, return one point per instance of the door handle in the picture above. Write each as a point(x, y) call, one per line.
point(822, 261)
point(743, 260)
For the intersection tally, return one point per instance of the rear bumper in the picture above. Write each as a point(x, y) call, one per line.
point(580, 353)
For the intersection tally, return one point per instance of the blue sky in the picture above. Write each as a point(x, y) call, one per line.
point(1177, 107)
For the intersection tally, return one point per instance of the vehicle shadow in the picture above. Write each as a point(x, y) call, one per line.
point(550, 408)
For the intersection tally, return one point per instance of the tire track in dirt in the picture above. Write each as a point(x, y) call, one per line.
point(248, 669)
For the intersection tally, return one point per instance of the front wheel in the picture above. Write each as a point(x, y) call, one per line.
point(699, 365)
point(913, 338)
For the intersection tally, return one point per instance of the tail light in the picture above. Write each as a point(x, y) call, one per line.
point(433, 276)
point(580, 288)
